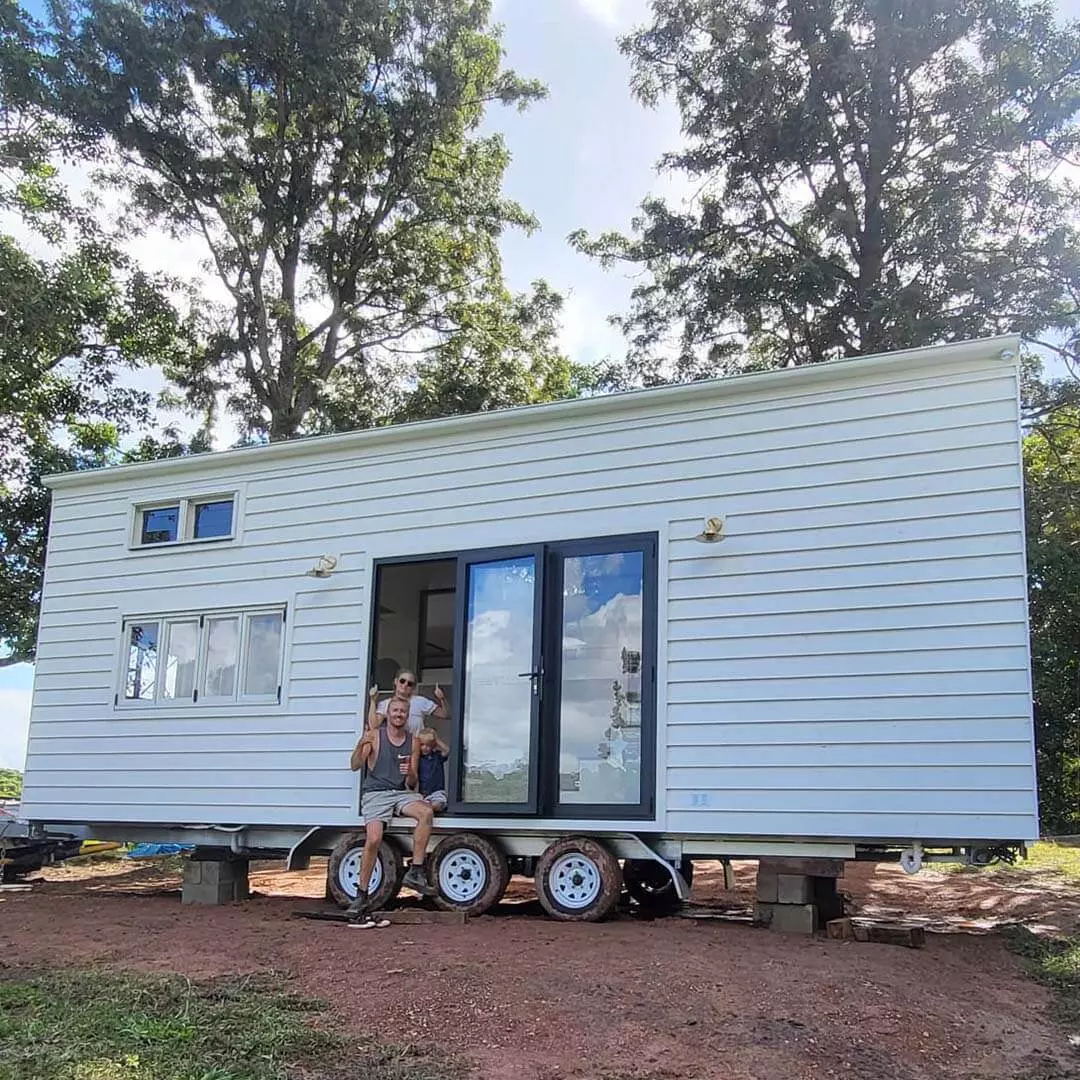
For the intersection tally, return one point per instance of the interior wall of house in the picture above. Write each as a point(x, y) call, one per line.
point(411, 598)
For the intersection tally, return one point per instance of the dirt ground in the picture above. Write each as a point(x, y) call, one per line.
point(672, 999)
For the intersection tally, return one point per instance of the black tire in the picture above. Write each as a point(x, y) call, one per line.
point(344, 868)
point(470, 872)
point(578, 880)
point(651, 886)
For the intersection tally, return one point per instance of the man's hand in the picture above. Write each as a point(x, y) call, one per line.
point(440, 697)
point(373, 693)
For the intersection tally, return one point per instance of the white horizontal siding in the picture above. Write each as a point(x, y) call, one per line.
point(850, 662)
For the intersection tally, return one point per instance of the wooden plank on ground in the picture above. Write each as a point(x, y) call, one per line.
point(404, 917)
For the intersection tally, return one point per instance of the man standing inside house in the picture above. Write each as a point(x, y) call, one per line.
point(389, 757)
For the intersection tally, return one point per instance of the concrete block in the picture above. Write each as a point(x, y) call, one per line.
point(787, 918)
point(215, 883)
point(767, 886)
point(793, 889)
point(223, 873)
point(833, 868)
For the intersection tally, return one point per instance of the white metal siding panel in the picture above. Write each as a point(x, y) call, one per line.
point(850, 662)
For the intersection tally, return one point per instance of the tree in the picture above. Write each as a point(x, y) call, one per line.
point(1052, 499)
point(506, 354)
point(326, 153)
point(71, 328)
point(870, 175)
point(10, 784)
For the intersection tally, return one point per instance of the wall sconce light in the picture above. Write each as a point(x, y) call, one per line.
point(323, 568)
point(713, 531)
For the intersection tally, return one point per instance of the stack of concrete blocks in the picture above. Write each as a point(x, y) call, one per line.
point(211, 878)
point(798, 896)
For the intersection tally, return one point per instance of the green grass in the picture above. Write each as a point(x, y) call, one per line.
point(1044, 858)
point(1054, 858)
point(95, 1025)
point(1055, 962)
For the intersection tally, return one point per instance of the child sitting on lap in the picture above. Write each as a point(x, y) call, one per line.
point(433, 755)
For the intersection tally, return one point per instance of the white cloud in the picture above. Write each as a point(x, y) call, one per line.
point(14, 725)
point(617, 14)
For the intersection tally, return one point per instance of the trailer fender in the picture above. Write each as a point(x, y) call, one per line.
point(645, 851)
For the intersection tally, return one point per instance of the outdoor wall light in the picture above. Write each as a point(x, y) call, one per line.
point(323, 568)
point(713, 531)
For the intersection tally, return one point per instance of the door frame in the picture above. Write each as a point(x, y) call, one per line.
point(644, 808)
point(467, 559)
point(547, 659)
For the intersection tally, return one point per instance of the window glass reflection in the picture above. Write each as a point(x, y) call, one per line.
point(600, 713)
point(498, 691)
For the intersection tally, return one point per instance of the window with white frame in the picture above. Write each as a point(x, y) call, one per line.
point(177, 521)
point(212, 658)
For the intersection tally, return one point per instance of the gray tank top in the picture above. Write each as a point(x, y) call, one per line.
point(384, 774)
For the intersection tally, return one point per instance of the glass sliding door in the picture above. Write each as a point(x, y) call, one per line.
point(600, 716)
point(499, 682)
point(551, 706)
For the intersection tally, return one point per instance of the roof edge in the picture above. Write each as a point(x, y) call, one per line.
point(926, 356)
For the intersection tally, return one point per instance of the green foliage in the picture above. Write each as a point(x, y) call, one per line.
point(72, 329)
point(1055, 962)
point(868, 175)
point(1052, 476)
point(505, 354)
point(95, 1025)
point(11, 782)
point(69, 331)
point(328, 155)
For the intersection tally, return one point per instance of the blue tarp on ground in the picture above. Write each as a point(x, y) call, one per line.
point(145, 851)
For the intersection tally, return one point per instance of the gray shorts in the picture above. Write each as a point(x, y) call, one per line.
point(385, 805)
point(437, 800)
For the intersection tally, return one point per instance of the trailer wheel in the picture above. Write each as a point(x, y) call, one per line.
point(343, 872)
point(651, 886)
point(470, 872)
point(578, 880)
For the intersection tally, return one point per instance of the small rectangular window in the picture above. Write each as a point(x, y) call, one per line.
point(212, 519)
point(262, 661)
point(185, 520)
point(141, 680)
point(159, 525)
point(181, 660)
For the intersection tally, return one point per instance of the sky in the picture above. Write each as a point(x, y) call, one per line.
point(582, 158)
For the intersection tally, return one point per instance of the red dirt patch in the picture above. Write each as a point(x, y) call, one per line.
point(675, 998)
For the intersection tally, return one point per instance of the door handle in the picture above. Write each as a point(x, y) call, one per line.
point(534, 677)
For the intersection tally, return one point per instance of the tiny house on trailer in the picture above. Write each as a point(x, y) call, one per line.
point(836, 667)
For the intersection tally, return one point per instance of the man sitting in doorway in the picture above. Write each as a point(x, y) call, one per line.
point(389, 758)
point(421, 709)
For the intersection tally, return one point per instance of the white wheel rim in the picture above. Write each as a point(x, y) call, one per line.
point(463, 876)
point(574, 881)
point(348, 874)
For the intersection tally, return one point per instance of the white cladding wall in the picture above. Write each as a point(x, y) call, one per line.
point(850, 662)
